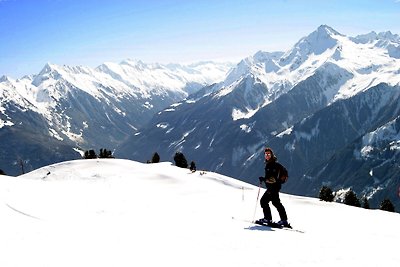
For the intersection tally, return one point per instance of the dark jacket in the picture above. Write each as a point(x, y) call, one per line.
point(272, 171)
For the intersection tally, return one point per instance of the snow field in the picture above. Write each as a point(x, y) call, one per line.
point(123, 213)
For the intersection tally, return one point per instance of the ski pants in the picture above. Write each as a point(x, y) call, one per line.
point(272, 196)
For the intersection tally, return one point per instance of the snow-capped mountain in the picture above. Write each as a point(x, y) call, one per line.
point(66, 107)
point(309, 103)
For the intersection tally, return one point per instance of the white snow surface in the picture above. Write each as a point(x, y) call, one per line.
point(116, 212)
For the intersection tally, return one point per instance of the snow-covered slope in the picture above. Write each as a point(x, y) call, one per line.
point(124, 213)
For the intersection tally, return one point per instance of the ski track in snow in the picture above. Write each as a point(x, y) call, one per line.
point(21, 212)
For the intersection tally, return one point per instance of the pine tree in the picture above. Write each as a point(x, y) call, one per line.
point(387, 205)
point(2, 172)
point(104, 153)
point(155, 158)
point(326, 194)
point(350, 198)
point(90, 154)
point(365, 203)
point(180, 160)
point(192, 166)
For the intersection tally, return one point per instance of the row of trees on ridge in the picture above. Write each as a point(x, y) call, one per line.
point(350, 198)
point(179, 158)
point(104, 153)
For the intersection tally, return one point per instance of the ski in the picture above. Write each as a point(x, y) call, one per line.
point(277, 226)
point(272, 225)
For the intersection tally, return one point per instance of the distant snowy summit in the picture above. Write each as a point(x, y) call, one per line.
point(149, 87)
point(358, 62)
point(76, 107)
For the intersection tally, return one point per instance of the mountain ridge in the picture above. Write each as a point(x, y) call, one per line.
point(279, 99)
point(84, 108)
point(227, 129)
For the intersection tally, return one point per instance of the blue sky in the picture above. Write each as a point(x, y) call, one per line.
point(88, 32)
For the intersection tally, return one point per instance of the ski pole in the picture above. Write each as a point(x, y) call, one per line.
point(258, 195)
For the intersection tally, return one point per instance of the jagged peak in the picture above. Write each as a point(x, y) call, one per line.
point(132, 62)
point(388, 35)
point(266, 56)
point(365, 38)
point(27, 77)
point(49, 70)
point(327, 30)
point(138, 64)
point(373, 36)
point(261, 62)
point(242, 68)
point(317, 42)
point(105, 65)
point(4, 78)
point(321, 39)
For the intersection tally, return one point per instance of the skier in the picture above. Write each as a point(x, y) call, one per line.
point(273, 169)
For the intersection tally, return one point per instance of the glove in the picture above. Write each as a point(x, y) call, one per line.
point(261, 179)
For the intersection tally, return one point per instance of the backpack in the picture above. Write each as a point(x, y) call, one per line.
point(283, 175)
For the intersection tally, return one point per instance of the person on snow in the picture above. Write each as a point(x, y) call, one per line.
point(273, 182)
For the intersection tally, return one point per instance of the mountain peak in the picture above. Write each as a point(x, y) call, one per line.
point(373, 36)
point(326, 30)
point(4, 78)
point(388, 35)
point(133, 63)
point(320, 40)
point(49, 70)
point(317, 42)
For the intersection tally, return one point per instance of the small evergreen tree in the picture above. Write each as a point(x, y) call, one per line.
point(90, 154)
point(2, 172)
point(104, 153)
point(21, 163)
point(387, 205)
point(326, 194)
point(155, 158)
point(192, 166)
point(350, 198)
point(180, 160)
point(365, 203)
